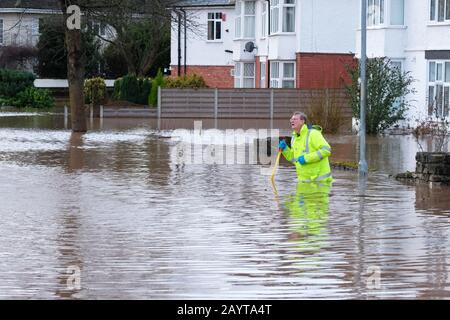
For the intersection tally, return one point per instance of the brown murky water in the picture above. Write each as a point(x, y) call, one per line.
point(110, 214)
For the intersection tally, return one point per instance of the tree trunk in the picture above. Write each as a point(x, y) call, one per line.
point(75, 74)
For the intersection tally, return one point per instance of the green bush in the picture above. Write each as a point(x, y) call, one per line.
point(33, 97)
point(159, 81)
point(12, 82)
point(117, 89)
point(95, 91)
point(190, 81)
point(145, 86)
point(130, 89)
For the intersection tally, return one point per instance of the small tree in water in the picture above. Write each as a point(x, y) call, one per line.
point(387, 87)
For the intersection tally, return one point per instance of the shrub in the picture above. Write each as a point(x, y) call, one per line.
point(95, 91)
point(129, 90)
point(33, 97)
point(387, 88)
point(145, 86)
point(117, 89)
point(190, 81)
point(326, 111)
point(12, 82)
point(159, 81)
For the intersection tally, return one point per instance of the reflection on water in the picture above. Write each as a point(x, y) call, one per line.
point(112, 207)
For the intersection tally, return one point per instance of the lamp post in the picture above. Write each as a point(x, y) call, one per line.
point(362, 166)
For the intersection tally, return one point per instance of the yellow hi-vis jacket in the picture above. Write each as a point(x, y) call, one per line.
point(312, 145)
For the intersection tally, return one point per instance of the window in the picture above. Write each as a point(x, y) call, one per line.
point(285, 22)
point(237, 22)
point(439, 10)
point(264, 20)
point(397, 12)
point(99, 28)
point(289, 16)
point(245, 19)
point(263, 75)
point(396, 64)
point(214, 26)
point(237, 75)
point(1, 31)
point(274, 16)
point(438, 88)
point(35, 27)
point(249, 75)
point(375, 12)
point(244, 75)
point(282, 74)
point(249, 19)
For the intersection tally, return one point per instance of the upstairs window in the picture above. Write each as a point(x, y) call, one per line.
point(375, 12)
point(245, 19)
point(264, 20)
point(237, 22)
point(397, 12)
point(214, 26)
point(282, 15)
point(439, 10)
point(249, 19)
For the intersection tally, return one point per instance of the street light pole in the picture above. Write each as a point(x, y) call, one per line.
point(362, 167)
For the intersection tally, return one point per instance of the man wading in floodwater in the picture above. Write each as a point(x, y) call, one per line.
point(309, 151)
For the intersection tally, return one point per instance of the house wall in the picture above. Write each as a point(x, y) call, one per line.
point(214, 76)
point(327, 26)
point(408, 43)
point(25, 33)
point(322, 70)
point(200, 51)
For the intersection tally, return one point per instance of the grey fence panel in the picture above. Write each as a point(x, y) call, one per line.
point(244, 103)
point(187, 103)
point(252, 103)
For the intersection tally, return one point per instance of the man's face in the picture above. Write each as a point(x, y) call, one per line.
point(296, 122)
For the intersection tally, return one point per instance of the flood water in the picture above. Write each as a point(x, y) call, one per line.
point(112, 214)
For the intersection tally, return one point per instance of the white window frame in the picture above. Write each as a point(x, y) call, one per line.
point(262, 72)
point(214, 20)
point(264, 20)
point(434, 82)
point(240, 76)
point(2, 38)
point(249, 16)
point(277, 79)
point(238, 21)
point(101, 28)
point(376, 13)
point(278, 8)
point(389, 12)
point(434, 16)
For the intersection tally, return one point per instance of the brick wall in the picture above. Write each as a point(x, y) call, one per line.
point(215, 76)
point(322, 70)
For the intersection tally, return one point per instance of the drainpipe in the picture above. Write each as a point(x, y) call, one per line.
point(185, 38)
point(179, 43)
point(268, 36)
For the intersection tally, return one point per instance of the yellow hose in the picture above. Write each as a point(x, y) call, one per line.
point(272, 177)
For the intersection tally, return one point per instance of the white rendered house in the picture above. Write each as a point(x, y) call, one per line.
point(261, 43)
point(415, 35)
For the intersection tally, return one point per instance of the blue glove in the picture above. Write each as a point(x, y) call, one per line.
point(300, 159)
point(282, 145)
